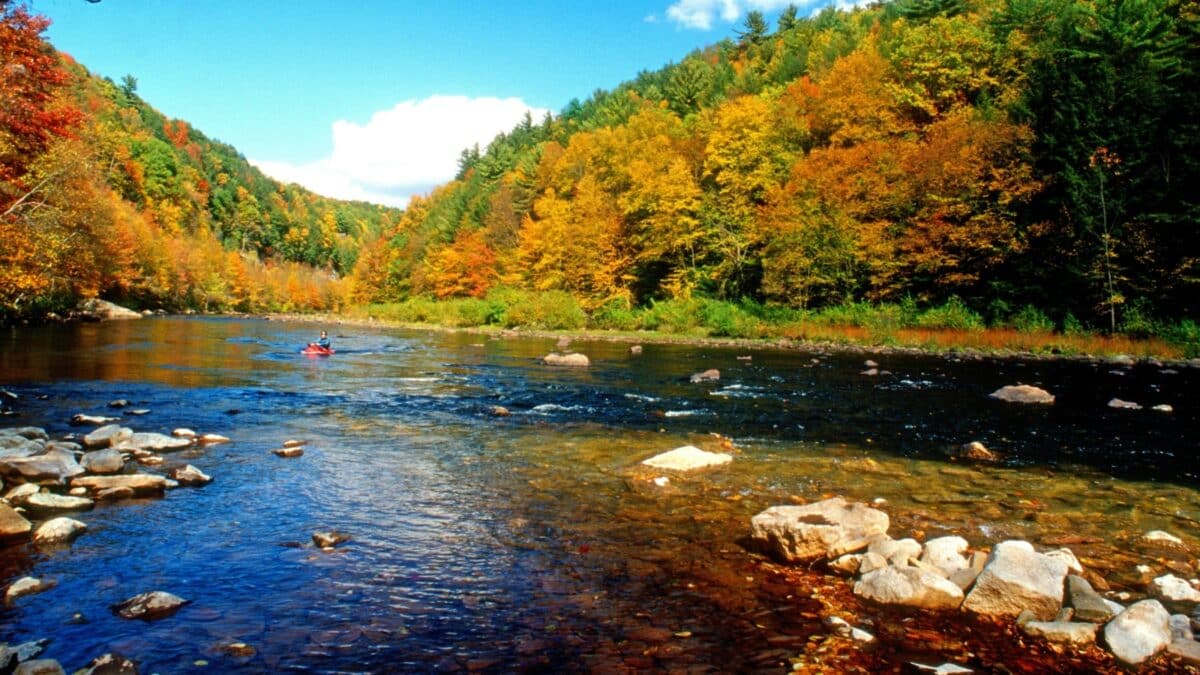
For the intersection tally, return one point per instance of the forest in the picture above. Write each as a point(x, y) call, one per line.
point(103, 196)
point(1027, 161)
point(1010, 163)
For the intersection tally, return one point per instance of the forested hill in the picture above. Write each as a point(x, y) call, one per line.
point(1003, 153)
point(100, 194)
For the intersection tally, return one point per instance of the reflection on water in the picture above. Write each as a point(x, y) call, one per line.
point(534, 540)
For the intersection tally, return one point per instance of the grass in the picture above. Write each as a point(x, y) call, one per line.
point(948, 327)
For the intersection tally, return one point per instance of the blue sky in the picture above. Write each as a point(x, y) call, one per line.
point(374, 99)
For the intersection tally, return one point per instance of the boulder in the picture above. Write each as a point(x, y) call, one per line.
point(1175, 593)
point(294, 443)
point(53, 466)
point(826, 529)
point(1138, 633)
point(47, 502)
point(295, 451)
point(975, 452)
point(571, 360)
point(329, 539)
point(1067, 557)
point(107, 436)
point(1017, 578)
point(1187, 651)
point(212, 439)
point(28, 433)
point(687, 458)
point(149, 606)
point(18, 495)
point(1023, 393)
point(946, 554)
point(710, 375)
point(106, 461)
point(59, 530)
point(13, 524)
point(1163, 408)
point(910, 587)
point(183, 432)
point(1087, 603)
point(105, 310)
point(19, 446)
point(635, 350)
point(190, 475)
point(26, 586)
point(847, 565)
point(139, 483)
point(119, 403)
point(1160, 537)
point(499, 411)
point(115, 493)
point(1181, 627)
point(157, 442)
point(871, 561)
point(1073, 633)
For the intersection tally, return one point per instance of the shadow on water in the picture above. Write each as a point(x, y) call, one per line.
point(534, 541)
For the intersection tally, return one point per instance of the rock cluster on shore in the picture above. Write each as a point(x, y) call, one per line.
point(1045, 592)
point(44, 479)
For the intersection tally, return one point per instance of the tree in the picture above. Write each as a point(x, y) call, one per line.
point(787, 19)
point(755, 29)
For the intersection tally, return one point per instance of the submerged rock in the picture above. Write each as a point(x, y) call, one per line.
point(149, 606)
point(190, 475)
point(975, 452)
point(329, 539)
point(94, 420)
point(105, 310)
point(109, 664)
point(1017, 578)
point(294, 451)
point(212, 439)
point(39, 667)
point(26, 586)
point(687, 458)
point(910, 587)
point(825, 529)
point(294, 443)
point(1160, 537)
point(1138, 633)
point(570, 360)
point(710, 375)
point(183, 432)
point(1124, 405)
point(1023, 393)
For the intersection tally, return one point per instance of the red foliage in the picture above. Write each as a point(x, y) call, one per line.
point(30, 76)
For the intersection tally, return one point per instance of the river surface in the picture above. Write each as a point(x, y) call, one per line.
point(536, 542)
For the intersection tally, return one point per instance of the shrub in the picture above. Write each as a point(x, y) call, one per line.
point(1136, 320)
point(549, 310)
point(729, 320)
point(1032, 320)
point(954, 314)
point(616, 315)
point(1072, 326)
point(1185, 334)
point(673, 316)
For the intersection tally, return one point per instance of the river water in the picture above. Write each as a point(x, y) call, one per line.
point(536, 542)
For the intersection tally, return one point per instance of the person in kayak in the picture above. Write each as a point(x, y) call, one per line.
point(323, 343)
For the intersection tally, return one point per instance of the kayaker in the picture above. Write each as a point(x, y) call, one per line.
point(323, 343)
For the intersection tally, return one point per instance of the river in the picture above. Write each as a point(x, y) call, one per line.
point(535, 542)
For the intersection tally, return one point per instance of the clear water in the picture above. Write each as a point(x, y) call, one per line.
point(535, 541)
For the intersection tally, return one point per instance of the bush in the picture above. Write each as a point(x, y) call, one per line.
point(954, 315)
point(1031, 320)
point(1185, 334)
point(729, 320)
point(1136, 320)
point(550, 310)
point(673, 316)
point(1072, 326)
point(616, 315)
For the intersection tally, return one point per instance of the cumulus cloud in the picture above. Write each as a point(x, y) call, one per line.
point(701, 14)
point(403, 151)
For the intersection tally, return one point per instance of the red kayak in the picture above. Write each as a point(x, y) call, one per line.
point(314, 349)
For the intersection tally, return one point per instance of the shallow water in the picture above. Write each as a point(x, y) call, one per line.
point(535, 541)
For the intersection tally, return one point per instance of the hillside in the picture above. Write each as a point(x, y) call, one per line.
point(1019, 158)
point(101, 195)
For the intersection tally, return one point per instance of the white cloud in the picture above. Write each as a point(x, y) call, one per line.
point(404, 151)
point(700, 14)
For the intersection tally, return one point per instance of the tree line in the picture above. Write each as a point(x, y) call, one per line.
point(102, 195)
point(1002, 154)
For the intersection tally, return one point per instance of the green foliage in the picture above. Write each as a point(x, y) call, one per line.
point(1185, 334)
point(550, 310)
point(727, 319)
point(954, 315)
point(616, 315)
point(1032, 320)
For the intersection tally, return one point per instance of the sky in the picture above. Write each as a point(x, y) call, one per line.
point(376, 99)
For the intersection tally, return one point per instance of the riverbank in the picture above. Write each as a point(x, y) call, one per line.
point(986, 343)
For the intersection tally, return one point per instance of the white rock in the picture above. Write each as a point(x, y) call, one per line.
point(574, 360)
point(871, 561)
point(895, 551)
point(190, 475)
point(1181, 627)
point(1163, 408)
point(1023, 393)
point(847, 565)
point(946, 554)
point(107, 436)
point(910, 587)
point(183, 432)
point(148, 606)
point(662, 481)
point(1139, 632)
point(58, 531)
point(687, 458)
point(158, 442)
point(25, 586)
point(1017, 578)
point(44, 502)
point(210, 439)
point(1174, 591)
point(943, 669)
point(1125, 405)
point(840, 627)
point(828, 529)
point(20, 493)
point(1161, 537)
